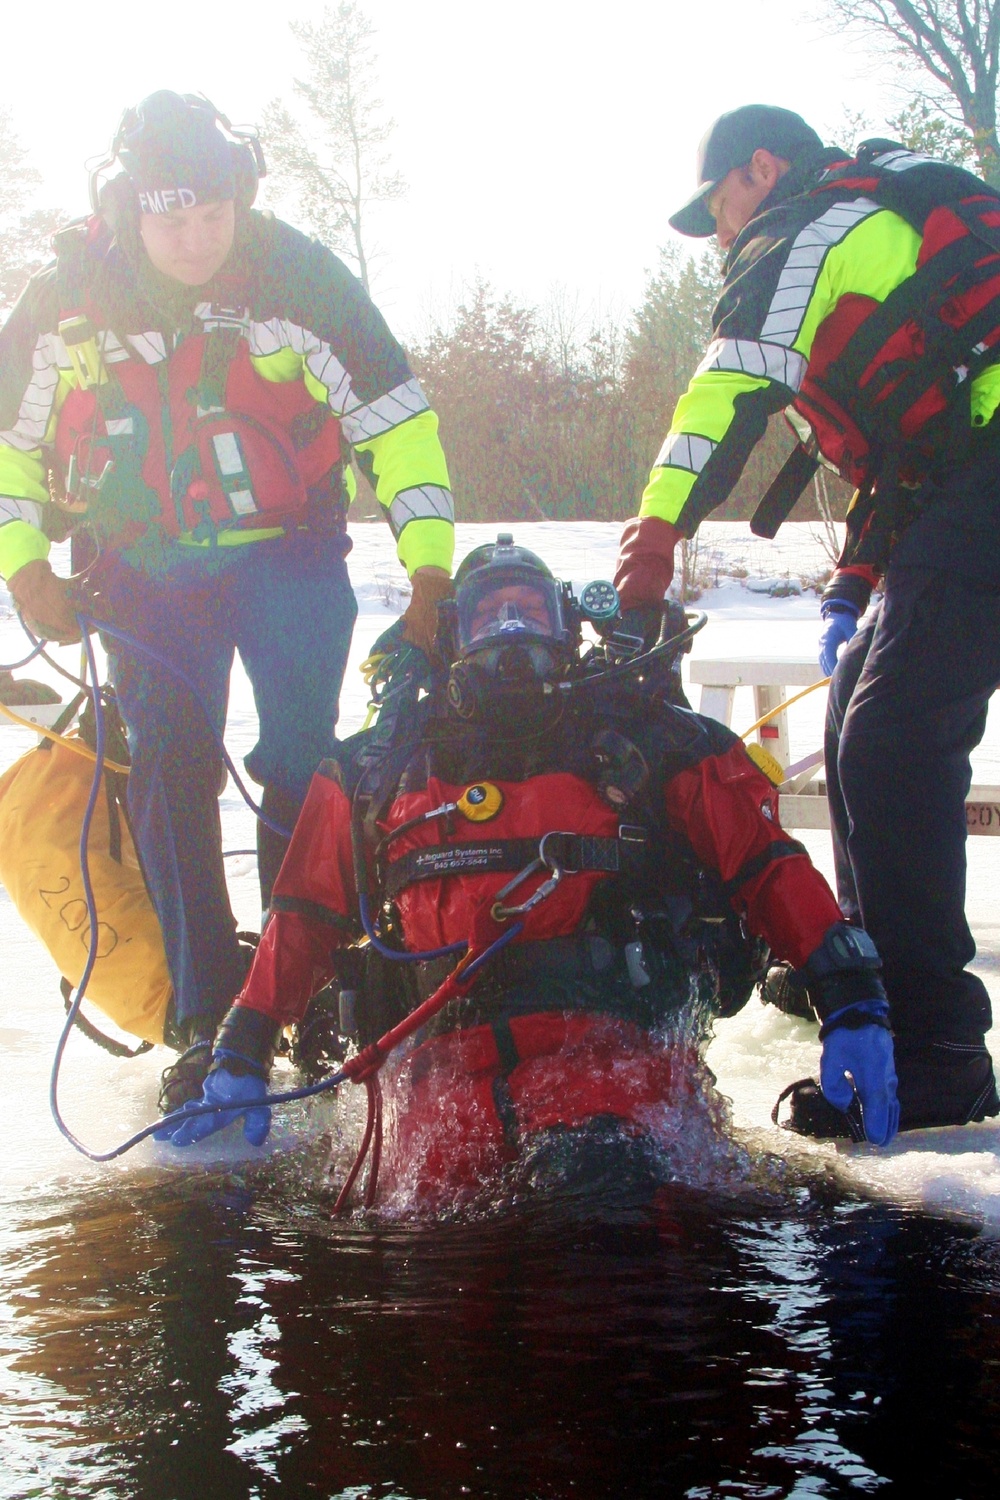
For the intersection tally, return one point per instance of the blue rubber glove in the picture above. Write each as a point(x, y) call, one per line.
point(841, 623)
point(244, 1090)
point(865, 1052)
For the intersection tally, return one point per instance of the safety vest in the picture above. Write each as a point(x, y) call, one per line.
point(196, 443)
point(885, 380)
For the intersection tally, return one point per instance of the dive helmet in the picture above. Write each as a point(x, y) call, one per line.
point(511, 639)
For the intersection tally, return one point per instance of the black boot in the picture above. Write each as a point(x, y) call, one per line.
point(183, 1079)
point(193, 1039)
point(945, 1083)
point(811, 1113)
point(940, 1083)
point(785, 989)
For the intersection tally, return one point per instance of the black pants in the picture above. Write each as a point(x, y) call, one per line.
point(907, 706)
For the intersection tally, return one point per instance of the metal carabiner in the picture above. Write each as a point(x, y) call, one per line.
point(543, 861)
point(501, 913)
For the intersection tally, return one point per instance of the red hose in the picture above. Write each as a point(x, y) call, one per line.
point(365, 1066)
point(352, 1175)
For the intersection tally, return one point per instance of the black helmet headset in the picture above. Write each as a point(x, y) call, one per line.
point(176, 150)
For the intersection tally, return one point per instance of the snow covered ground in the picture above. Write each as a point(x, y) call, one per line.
point(754, 1055)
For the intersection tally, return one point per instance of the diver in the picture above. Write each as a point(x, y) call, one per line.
point(542, 777)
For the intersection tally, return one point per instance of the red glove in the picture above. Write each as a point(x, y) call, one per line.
point(645, 561)
point(48, 604)
point(430, 586)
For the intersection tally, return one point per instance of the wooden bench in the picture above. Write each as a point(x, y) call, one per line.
point(803, 793)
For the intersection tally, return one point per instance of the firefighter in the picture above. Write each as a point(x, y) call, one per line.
point(660, 842)
point(862, 294)
point(182, 389)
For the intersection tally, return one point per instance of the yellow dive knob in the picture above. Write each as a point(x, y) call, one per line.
point(480, 802)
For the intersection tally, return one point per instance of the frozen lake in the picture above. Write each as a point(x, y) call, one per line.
point(113, 1278)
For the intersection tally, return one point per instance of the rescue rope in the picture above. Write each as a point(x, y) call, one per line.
point(77, 746)
point(774, 712)
point(369, 670)
point(362, 1068)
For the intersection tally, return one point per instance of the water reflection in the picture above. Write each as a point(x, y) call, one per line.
point(219, 1337)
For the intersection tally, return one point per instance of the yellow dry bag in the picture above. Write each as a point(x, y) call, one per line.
point(43, 798)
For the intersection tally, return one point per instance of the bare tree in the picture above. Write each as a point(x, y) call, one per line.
point(333, 160)
point(25, 231)
point(957, 43)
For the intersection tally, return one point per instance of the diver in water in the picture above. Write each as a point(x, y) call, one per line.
point(562, 786)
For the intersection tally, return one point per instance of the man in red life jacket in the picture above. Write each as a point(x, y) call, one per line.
point(637, 842)
point(863, 295)
point(183, 388)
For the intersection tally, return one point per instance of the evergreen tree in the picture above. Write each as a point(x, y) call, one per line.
point(331, 159)
point(25, 231)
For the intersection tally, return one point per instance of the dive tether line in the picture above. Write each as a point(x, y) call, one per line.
point(362, 1068)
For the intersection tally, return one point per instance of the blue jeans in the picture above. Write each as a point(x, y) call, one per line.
point(287, 607)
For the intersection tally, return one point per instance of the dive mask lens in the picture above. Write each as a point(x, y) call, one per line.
point(497, 606)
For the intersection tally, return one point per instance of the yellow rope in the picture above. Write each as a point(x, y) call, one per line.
point(369, 667)
point(766, 718)
point(369, 670)
point(77, 746)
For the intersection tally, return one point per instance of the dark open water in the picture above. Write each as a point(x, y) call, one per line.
point(217, 1337)
point(204, 1334)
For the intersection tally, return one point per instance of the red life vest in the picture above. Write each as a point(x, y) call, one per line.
point(885, 380)
point(198, 443)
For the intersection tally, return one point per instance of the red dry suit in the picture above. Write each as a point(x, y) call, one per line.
point(565, 1024)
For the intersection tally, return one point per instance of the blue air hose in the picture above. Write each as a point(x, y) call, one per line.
point(87, 624)
point(14, 665)
point(190, 1110)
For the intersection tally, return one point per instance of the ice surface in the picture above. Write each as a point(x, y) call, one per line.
point(753, 1056)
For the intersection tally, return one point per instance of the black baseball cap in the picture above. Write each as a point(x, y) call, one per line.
point(730, 142)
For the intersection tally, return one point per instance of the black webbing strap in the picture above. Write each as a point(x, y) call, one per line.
point(761, 861)
point(94, 1034)
point(574, 852)
point(777, 504)
point(311, 909)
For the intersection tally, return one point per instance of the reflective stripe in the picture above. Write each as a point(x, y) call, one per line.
point(36, 405)
point(20, 510)
point(801, 271)
point(425, 502)
point(151, 347)
point(685, 450)
point(268, 339)
point(227, 453)
point(243, 502)
point(388, 411)
point(752, 358)
point(119, 426)
point(901, 161)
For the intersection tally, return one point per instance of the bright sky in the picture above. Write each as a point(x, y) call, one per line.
point(544, 141)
